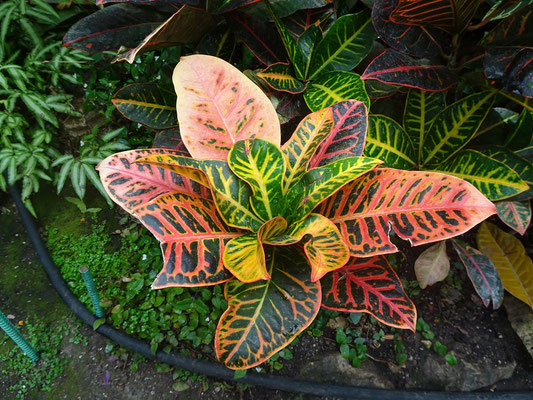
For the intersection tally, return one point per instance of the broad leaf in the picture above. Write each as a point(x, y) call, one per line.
point(218, 106)
point(303, 143)
point(504, 8)
point(244, 257)
point(219, 42)
point(346, 43)
point(371, 286)
point(496, 126)
point(379, 90)
point(491, 177)
point(307, 42)
point(422, 207)
point(522, 135)
point(301, 21)
point(510, 69)
point(112, 27)
point(515, 31)
point(223, 6)
point(387, 141)
point(326, 249)
point(148, 104)
point(508, 255)
point(414, 40)
point(452, 16)
point(454, 127)
point(332, 87)
point(265, 316)
point(320, 183)
point(432, 265)
point(262, 166)
point(515, 214)
point(170, 139)
point(482, 273)
point(192, 238)
point(347, 137)
point(279, 77)
point(187, 25)
point(395, 68)
point(421, 109)
point(232, 196)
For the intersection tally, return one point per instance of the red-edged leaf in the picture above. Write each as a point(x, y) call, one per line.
point(347, 137)
point(510, 69)
point(515, 214)
point(218, 106)
point(170, 139)
point(395, 68)
point(371, 286)
point(223, 6)
point(259, 36)
point(515, 31)
point(482, 273)
point(302, 20)
point(422, 207)
point(114, 26)
point(414, 40)
point(187, 25)
point(452, 16)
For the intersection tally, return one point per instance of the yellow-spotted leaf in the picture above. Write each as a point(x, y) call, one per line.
point(218, 106)
point(325, 249)
point(279, 77)
point(421, 109)
point(508, 255)
point(422, 207)
point(331, 87)
point(515, 214)
point(244, 257)
point(232, 196)
point(454, 127)
point(387, 141)
point(303, 143)
point(272, 229)
point(320, 183)
point(265, 316)
point(262, 166)
point(491, 177)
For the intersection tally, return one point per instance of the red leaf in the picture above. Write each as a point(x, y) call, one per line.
point(372, 286)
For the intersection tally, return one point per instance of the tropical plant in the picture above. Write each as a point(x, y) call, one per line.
point(290, 228)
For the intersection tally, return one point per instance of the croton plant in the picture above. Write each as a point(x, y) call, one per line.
point(287, 228)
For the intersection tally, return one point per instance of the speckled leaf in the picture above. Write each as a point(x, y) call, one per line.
point(280, 77)
point(421, 109)
point(262, 166)
point(371, 286)
point(491, 177)
point(347, 137)
point(332, 87)
point(509, 257)
point(510, 69)
point(387, 141)
point(432, 265)
point(326, 249)
point(454, 127)
point(148, 104)
point(515, 31)
point(218, 106)
point(244, 257)
point(346, 43)
point(515, 214)
point(395, 68)
point(482, 273)
point(265, 316)
point(422, 207)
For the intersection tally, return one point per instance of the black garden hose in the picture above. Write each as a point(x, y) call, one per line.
point(218, 371)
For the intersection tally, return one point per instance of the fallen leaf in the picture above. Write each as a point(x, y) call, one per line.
point(432, 265)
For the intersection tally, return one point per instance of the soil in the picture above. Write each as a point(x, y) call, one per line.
point(476, 335)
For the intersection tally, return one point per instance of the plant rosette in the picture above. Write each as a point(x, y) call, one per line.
point(287, 228)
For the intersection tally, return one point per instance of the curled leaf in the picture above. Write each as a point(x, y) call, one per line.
point(433, 265)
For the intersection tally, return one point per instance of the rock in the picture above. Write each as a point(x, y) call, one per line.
point(470, 372)
point(521, 317)
point(332, 367)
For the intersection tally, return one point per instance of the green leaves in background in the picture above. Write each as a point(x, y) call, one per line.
point(492, 178)
point(148, 104)
point(454, 127)
point(331, 87)
point(347, 42)
point(387, 141)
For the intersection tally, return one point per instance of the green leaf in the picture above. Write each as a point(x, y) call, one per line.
point(279, 77)
point(331, 87)
point(346, 43)
point(261, 164)
point(492, 178)
point(454, 127)
point(307, 42)
point(98, 323)
point(421, 109)
point(387, 141)
point(522, 136)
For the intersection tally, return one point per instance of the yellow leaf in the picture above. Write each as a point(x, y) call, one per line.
point(509, 256)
